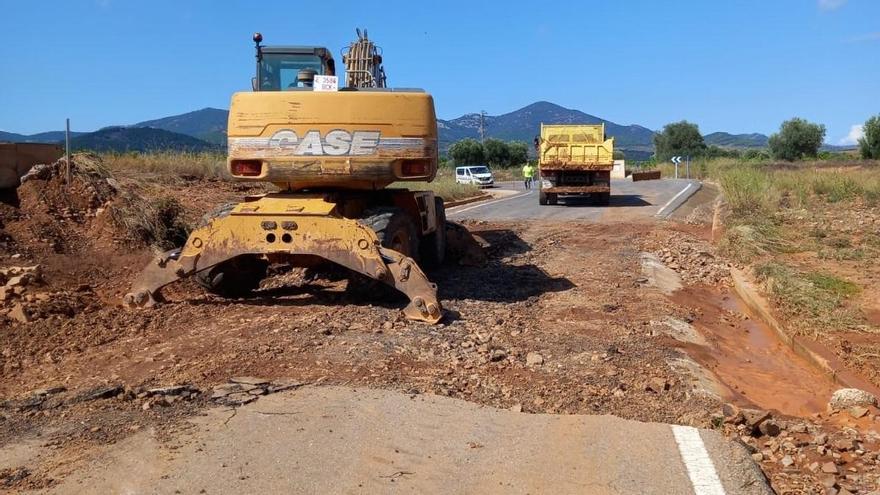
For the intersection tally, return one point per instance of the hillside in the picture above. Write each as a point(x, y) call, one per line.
point(207, 124)
point(727, 140)
point(139, 139)
point(42, 137)
point(523, 125)
point(206, 129)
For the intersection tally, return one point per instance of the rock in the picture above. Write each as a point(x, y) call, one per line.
point(534, 359)
point(280, 386)
point(757, 457)
point(754, 417)
point(238, 399)
point(858, 411)
point(19, 314)
point(657, 385)
point(101, 393)
point(830, 468)
point(498, 355)
point(516, 408)
point(769, 427)
point(786, 461)
point(844, 445)
point(845, 398)
point(172, 390)
point(49, 391)
point(221, 391)
point(17, 281)
point(249, 380)
point(5, 294)
point(820, 439)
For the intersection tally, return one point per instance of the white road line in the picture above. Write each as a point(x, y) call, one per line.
point(455, 211)
point(696, 459)
point(660, 211)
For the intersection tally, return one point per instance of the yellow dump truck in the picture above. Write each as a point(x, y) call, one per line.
point(574, 160)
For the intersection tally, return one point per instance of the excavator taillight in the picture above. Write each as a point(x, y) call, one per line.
point(247, 168)
point(414, 169)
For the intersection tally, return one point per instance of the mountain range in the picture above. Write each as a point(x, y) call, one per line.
point(205, 129)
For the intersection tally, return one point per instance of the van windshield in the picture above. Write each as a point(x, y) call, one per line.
point(479, 170)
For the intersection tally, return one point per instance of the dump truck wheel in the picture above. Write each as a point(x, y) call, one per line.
point(434, 244)
point(395, 230)
point(236, 277)
point(542, 198)
point(603, 199)
point(552, 199)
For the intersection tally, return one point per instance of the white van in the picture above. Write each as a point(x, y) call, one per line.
point(478, 175)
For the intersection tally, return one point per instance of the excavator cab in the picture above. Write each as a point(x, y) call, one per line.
point(286, 68)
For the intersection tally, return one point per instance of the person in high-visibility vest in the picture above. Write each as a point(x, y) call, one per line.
point(528, 172)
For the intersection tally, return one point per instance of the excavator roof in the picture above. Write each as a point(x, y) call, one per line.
point(300, 50)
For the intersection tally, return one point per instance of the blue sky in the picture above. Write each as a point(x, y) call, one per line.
point(737, 66)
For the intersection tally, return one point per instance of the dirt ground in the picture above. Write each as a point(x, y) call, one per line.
point(561, 319)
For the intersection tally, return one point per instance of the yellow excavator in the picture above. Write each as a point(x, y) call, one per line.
point(331, 149)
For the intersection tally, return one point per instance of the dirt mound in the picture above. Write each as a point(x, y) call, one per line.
point(63, 239)
point(48, 215)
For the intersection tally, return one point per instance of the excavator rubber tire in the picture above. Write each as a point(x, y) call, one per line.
point(391, 225)
point(234, 278)
point(395, 229)
point(434, 244)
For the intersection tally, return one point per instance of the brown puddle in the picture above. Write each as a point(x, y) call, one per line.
point(748, 358)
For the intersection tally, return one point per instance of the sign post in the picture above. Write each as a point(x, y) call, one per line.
point(676, 160)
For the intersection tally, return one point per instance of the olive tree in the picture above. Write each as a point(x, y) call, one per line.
point(797, 138)
point(467, 152)
point(869, 143)
point(678, 138)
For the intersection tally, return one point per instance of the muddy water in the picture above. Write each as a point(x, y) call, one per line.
point(748, 358)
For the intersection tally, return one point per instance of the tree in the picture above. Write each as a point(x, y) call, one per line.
point(679, 138)
point(869, 143)
point(467, 152)
point(496, 152)
point(797, 138)
point(519, 153)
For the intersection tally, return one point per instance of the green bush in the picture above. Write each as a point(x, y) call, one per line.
point(869, 144)
point(796, 139)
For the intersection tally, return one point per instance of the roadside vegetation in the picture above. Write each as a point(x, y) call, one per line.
point(167, 165)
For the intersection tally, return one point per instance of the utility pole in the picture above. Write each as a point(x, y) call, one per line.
point(67, 152)
point(482, 125)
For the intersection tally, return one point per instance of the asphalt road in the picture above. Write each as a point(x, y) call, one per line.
point(343, 440)
point(629, 201)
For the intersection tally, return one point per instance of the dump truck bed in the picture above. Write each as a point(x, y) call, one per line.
point(575, 147)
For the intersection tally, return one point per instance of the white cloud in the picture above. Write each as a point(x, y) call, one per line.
point(856, 132)
point(865, 37)
point(831, 4)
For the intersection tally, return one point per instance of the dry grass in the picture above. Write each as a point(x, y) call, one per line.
point(816, 302)
point(444, 186)
point(167, 165)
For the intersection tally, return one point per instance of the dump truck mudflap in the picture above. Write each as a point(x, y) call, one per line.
point(302, 226)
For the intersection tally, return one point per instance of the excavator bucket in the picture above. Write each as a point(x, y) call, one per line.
point(299, 225)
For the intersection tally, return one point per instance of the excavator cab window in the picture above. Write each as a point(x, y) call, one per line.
point(286, 71)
